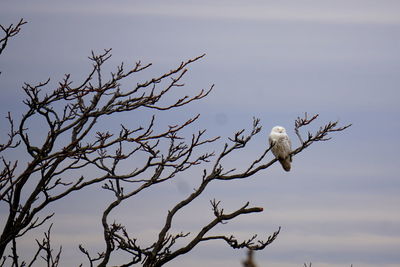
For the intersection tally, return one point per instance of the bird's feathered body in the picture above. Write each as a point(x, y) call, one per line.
point(281, 146)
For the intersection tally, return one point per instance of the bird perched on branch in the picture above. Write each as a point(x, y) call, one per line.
point(281, 146)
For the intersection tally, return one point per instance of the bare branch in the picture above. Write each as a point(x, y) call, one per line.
point(45, 251)
point(11, 136)
point(91, 259)
point(320, 135)
point(9, 32)
point(220, 217)
point(234, 243)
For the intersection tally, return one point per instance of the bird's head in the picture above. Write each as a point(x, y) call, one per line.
point(278, 129)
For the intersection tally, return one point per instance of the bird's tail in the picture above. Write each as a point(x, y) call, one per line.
point(285, 163)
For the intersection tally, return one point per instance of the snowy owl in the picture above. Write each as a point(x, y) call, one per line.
point(281, 146)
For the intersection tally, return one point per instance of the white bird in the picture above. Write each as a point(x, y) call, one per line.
point(281, 146)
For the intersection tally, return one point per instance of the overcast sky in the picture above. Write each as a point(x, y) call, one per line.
point(271, 59)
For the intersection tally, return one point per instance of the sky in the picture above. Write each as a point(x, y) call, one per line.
point(269, 59)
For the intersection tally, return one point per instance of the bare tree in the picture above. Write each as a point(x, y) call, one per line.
point(74, 142)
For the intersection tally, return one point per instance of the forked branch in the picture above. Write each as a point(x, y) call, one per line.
point(9, 31)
